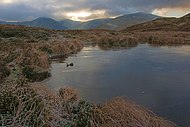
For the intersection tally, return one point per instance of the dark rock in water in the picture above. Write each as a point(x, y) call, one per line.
point(70, 64)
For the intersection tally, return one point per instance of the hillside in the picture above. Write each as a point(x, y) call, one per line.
point(117, 23)
point(93, 24)
point(70, 24)
point(124, 21)
point(44, 23)
point(2, 22)
point(41, 22)
point(164, 24)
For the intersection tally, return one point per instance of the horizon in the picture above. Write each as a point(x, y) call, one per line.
point(93, 19)
point(86, 10)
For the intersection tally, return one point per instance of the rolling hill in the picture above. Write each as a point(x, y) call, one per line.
point(70, 24)
point(2, 22)
point(124, 21)
point(93, 24)
point(44, 23)
point(164, 24)
point(117, 23)
point(41, 22)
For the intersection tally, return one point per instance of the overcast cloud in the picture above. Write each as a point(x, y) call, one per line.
point(19, 10)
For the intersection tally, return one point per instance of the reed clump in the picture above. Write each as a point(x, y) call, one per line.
point(33, 105)
point(163, 37)
point(21, 106)
point(120, 112)
point(117, 41)
point(25, 104)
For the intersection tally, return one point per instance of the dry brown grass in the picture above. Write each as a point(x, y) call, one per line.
point(117, 41)
point(68, 94)
point(120, 112)
point(163, 37)
point(164, 24)
point(20, 105)
point(23, 104)
point(31, 48)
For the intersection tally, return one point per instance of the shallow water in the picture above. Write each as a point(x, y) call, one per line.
point(155, 77)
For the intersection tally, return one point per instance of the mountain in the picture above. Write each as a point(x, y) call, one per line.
point(117, 23)
point(93, 24)
point(44, 23)
point(70, 24)
point(127, 20)
point(40, 22)
point(2, 22)
point(171, 24)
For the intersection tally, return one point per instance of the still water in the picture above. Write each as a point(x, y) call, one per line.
point(157, 77)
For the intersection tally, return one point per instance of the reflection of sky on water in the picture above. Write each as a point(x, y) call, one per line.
point(156, 77)
point(182, 50)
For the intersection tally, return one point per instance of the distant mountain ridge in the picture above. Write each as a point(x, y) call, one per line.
point(125, 21)
point(117, 23)
point(2, 22)
point(93, 24)
point(165, 24)
point(44, 23)
point(70, 24)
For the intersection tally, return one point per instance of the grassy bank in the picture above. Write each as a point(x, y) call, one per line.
point(163, 37)
point(32, 104)
point(31, 49)
point(125, 38)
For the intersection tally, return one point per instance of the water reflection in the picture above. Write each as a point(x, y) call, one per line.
point(156, 77)
point(117, 46)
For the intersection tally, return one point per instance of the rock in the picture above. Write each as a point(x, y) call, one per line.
point(71, 64)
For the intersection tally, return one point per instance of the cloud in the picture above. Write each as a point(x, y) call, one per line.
point(60, 9)
point(177, 12)
point(19, 12)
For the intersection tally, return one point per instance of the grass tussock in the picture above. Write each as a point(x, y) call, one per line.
point(68, 94)
point(163, 37)
point(23, 104)
point(33, 105)
point(121, 112)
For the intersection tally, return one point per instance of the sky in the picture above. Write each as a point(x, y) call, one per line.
point(84, 10)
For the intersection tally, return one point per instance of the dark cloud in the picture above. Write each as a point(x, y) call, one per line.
point(18, 12)
point(29, 9)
